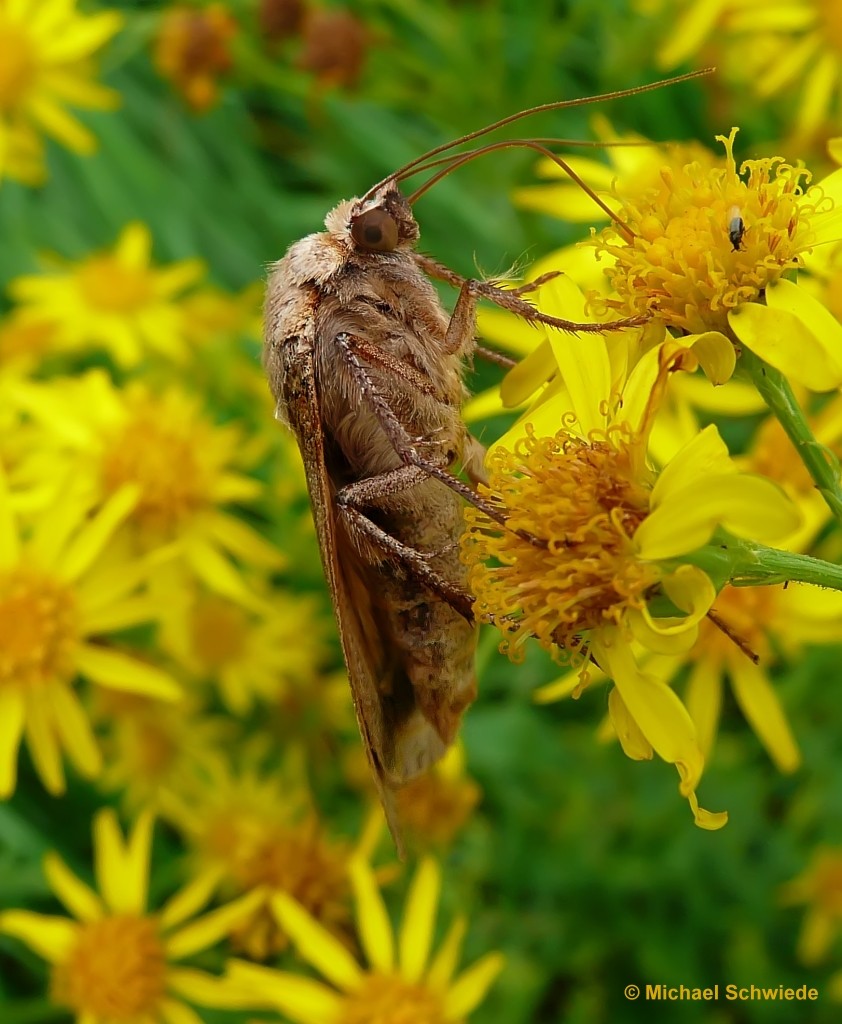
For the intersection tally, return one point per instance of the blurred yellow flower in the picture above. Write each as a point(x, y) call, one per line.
point(250, 830)
point(399, 986)
point(820, 888)
point(147, 755)
point(193, 50)
point(46, 48)
point(434, 807)
point(62, 586)
point(704, 252)
point(183, 467)
point(117, 962)
point(250, 656)
point(116, 300)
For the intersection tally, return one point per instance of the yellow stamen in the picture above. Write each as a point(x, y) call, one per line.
point(38, 628)
point(116, 970)
point(711, 240)
point(391, 1000)
point(585, 500)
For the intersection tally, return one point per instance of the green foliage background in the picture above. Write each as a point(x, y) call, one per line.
point(582, 867)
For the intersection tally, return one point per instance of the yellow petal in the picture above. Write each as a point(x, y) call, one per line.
point(9, 541)
point(302, 1000)
point(134, 246)
point(11, 731)
point(703, 455)
point(372, 918)
point(689, 32)
point(42, 743)
point(471, 987)
point(240, 539)
point(419, 920)
point(817, 934)
point(787, 340)
point(74, 730)
point(77, 897)
point(55, 120)
point(715, 353)
point(219, 574)
point(209, 990)
point(210, 929)
point(531, 372)
point(509, 332)
point(704, 701)
point(628, 732)
point(50, 937)
point(191, 898)
point(178, 1013)
point(315, 944)
point(112, 877)
point(117, 671)
point(444, 962)
point(90, 541)
point(763, 711)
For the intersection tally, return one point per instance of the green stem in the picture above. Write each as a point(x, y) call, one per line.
point(744, 563)
point(777, 394)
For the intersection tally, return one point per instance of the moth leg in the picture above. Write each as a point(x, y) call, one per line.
point(397, 367)
point(351, 501)
point(491, 356)
point(398, 435)
point(509, 300)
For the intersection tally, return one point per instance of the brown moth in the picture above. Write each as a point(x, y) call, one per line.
point(367, 369)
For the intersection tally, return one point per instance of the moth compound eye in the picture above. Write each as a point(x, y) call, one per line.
point(375, 230)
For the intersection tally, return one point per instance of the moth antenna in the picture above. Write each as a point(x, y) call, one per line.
point(457, 160)
point(541, 108)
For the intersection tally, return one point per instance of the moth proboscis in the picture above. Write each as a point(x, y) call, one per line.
point(367, 369)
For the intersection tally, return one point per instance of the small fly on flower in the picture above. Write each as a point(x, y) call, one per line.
point(367, 369)
point(736, 228)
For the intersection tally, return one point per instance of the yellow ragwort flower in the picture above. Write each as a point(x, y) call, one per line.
point(594, 538)
point(116, 300)
point(435, 807)
point(183, 467)
point(708, 254)
point(250, 656)
point(62, 586)
point(118, 962)
point(820, 888)
point(399, 986)
point(46, 48)
point(251, 830)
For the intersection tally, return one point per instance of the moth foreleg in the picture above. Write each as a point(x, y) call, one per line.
point(510, 300)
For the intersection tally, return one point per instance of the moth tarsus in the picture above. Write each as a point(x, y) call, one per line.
point(367, 369)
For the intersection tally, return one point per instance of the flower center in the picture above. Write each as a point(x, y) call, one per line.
point(296, 859)
point(38, 628)
point(110, 287)
point(436, 807)
point(160, 450)
point(18, 64)
point(219, 631)
point(709, 241)
point(116, 971)
point(583, 499)
point(385, 999)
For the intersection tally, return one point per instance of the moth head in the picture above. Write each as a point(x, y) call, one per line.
point(383, 221)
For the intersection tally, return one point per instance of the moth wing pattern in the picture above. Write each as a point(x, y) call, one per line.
point(358, 634)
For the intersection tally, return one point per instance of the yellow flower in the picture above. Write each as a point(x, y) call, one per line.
point(594, 540)
point(116, 300)
point(61, 587)
point(820, 887)
point(183, 467)
point(46, 48)
point(248, 656)
point(704, 252)
point(147, 755)
point(789, 48)
point(254, 831)
point(117, 962)
point(434, 807)
point(193, 51)
point(399, 986)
